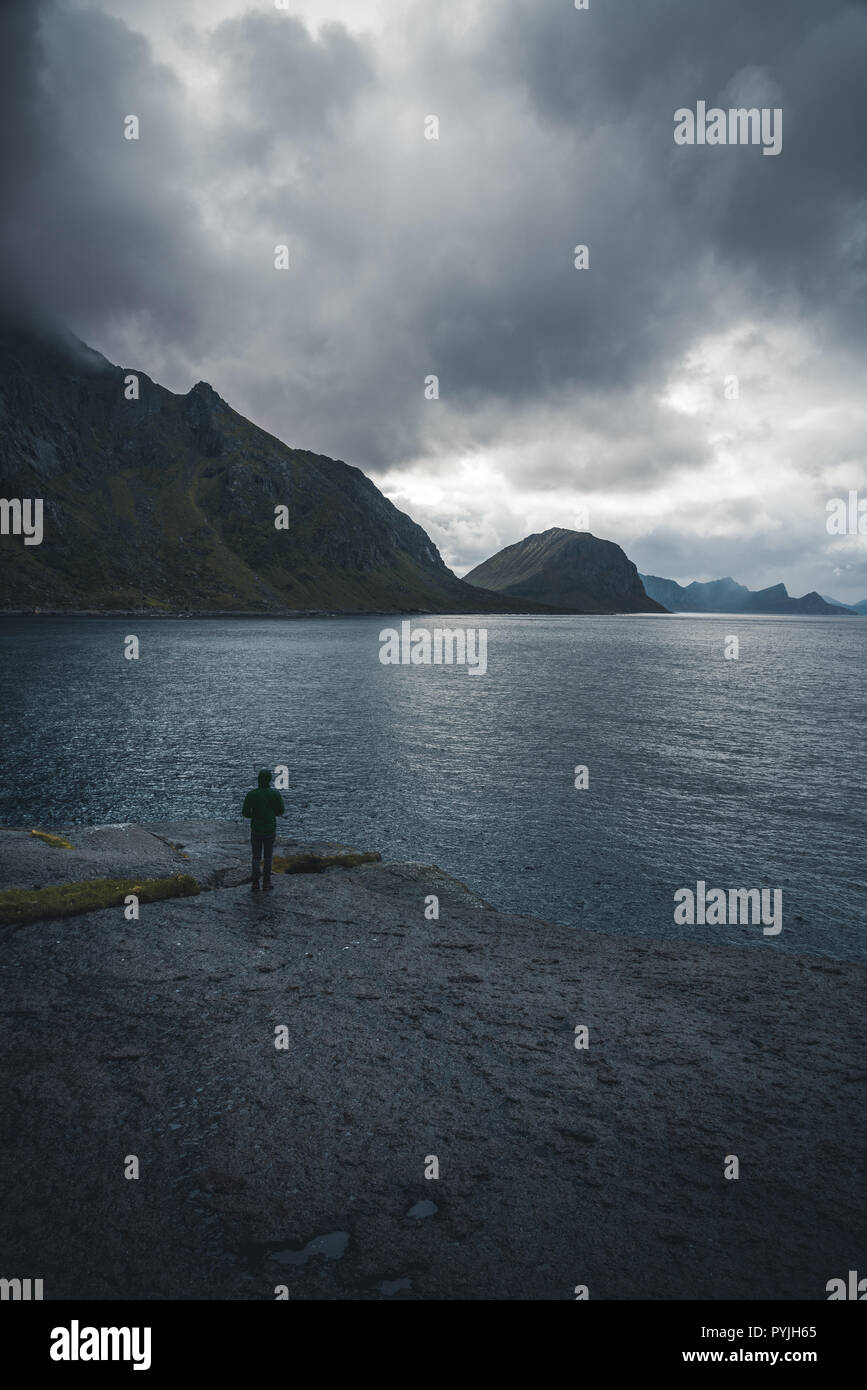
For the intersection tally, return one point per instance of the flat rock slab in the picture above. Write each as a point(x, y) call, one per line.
point(109, 851)
point(408, 1039)
point(216, 854)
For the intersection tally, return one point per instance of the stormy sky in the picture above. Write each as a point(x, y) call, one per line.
point(560, 389)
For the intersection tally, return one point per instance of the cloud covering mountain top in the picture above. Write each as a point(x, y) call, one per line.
point(608, 388)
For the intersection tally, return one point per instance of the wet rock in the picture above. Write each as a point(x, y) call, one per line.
point(422, 1210)
point(114, 1031)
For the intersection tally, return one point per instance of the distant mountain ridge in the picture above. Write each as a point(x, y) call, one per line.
point(859, 607)
point(727, 596)
point(570, 570)
point(167, 503)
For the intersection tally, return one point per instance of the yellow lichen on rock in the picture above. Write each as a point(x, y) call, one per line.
point(55, 841)
point(69, 899)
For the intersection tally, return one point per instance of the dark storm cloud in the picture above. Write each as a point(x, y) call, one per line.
point(99, 226)
point(788, 219)
point(285, 81)
point(454, 256)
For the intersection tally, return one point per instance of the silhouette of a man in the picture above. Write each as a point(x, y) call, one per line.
point(260, 807)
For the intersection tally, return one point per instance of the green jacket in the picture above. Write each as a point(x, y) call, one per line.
point(260, 807)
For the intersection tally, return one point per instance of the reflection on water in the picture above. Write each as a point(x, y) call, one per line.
point(747, 773)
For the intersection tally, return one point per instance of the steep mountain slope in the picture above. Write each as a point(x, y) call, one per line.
point(837, 603)
point(570, 570)
point(727, 596)
point(168, 502)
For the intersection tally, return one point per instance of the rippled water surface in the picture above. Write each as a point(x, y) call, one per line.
point(747, 773)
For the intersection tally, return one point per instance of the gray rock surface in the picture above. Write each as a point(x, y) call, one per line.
point(215, 853)
point(408, 1038)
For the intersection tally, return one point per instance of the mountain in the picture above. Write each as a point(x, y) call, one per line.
point(569, 570)
point(727, 596)
point(718, 596)
point(167, 503)
point(838, 603)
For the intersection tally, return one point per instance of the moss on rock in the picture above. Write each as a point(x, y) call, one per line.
point(55, 841)
point(68, 899)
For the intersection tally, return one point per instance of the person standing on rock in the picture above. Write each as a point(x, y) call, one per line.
point(261, 806)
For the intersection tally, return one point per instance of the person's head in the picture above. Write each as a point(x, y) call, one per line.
point(264, 778)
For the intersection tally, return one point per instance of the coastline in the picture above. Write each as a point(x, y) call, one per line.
point(393, 612)
point(410, 1038)
point(322, 613)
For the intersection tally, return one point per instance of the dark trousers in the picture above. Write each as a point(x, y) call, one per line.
point(262, 844)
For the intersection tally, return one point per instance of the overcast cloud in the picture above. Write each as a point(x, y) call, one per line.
point(558, 388)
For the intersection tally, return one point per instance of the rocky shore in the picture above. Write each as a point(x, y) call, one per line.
point(409, 1038)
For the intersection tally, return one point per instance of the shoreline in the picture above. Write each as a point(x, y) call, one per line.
point(410, 1038)
point(182, 613)
point(329, 613)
